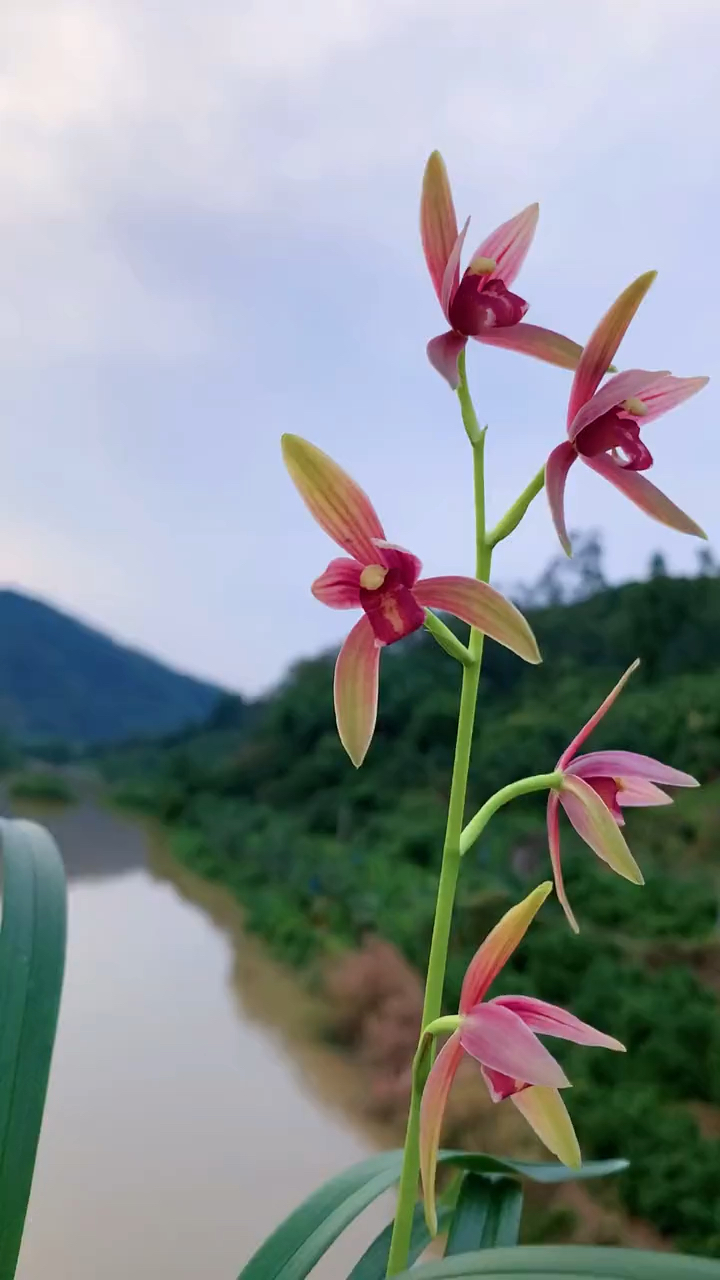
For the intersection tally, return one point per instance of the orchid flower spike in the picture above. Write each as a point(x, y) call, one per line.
point(480, 304)
point(593, 792)
point(604, 426)
point(502, 1035)
point(384, 581)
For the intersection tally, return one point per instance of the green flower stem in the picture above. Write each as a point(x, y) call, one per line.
point(514, 515)
point(467, 407)
point(446, 639)
point(407, 1190)
point(444, 1026)
point(538, 782)
point(425, 1051)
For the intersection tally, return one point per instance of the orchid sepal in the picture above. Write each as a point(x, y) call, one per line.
point(479, 304)
point(338, 504)
point(604, 341)
point(383, 580)
point(604, 422)
point(483, 608)
point(502, 1036)
point(592, 789)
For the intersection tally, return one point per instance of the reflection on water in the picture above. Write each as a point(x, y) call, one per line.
point(189, 1109)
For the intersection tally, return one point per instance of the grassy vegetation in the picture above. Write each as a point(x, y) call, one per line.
point(36, 784)
point(320, 853)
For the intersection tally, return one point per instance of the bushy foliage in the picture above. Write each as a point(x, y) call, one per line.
point(320, 854)
point(38, 784)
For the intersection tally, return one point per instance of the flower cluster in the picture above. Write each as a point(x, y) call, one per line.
point(384, 581)
point(502, 1036)
point(607, 411)
point(603, 426)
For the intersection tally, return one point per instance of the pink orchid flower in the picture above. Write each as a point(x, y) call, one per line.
point(594, 790)
point(604, 426)
point(384, 581)
point(480, 305)
point(501, 1035)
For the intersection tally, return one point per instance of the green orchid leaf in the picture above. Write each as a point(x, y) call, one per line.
point(32, 958)
point(487, 1214)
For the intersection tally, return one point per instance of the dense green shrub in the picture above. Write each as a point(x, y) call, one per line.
point(37, 784)
point(320, 853)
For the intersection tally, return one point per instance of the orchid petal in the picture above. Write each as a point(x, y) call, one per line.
point(553, 829)
point(356, 690)
point(624, 386)
point(604, 342)
point(339, 586)
point(644, 494)
point(508, 245)
point(499, 945)
point(438, 223)
point(628, 764)
point(394, 557)
point(451, 276)
point(443, 355)
point(432, 1109)
point(595, 824)
point(499, 1085)
point(499, 1039)
point(637, 793)
point(668, 392)
point(607, 789)
point(556, 473)
point(532, 340)
point(336, 502)
point(547, 1114)
point(597, 716)
point(549, 1020)
point(482, 607)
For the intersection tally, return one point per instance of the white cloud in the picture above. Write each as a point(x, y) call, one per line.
point(182, 185)
point(113, 110)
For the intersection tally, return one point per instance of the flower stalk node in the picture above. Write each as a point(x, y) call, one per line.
point(447, 639)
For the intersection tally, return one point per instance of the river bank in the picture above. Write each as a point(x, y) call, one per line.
point(364, 1005)
point(192, 1104)
point(348, 1020)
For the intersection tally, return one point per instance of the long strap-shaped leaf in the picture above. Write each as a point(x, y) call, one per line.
point(32, 956)
point(487, 1214)
point(292, 1251)
point(567, 1262)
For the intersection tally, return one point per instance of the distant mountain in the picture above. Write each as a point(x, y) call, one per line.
point(60, 679)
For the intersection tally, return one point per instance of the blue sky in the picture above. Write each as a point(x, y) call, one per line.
point(209, 236)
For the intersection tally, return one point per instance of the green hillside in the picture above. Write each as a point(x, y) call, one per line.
point(60, 679)
point(320, 853)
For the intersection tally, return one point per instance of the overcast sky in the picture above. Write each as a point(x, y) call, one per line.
point(209, 236)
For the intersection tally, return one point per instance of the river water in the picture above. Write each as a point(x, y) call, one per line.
point(190, 1105)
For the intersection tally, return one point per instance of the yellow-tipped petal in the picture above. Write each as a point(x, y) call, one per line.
point(356, 690)
point(338, 504)
point(499, 945)
point(604, 342)
point(594, 822)
point(532, 340)
point(432, 1110)
point(636, 486)
point(597, 716)
point(547, 1114)
point(553, 830)
point(482, 607)
point(438, 223)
